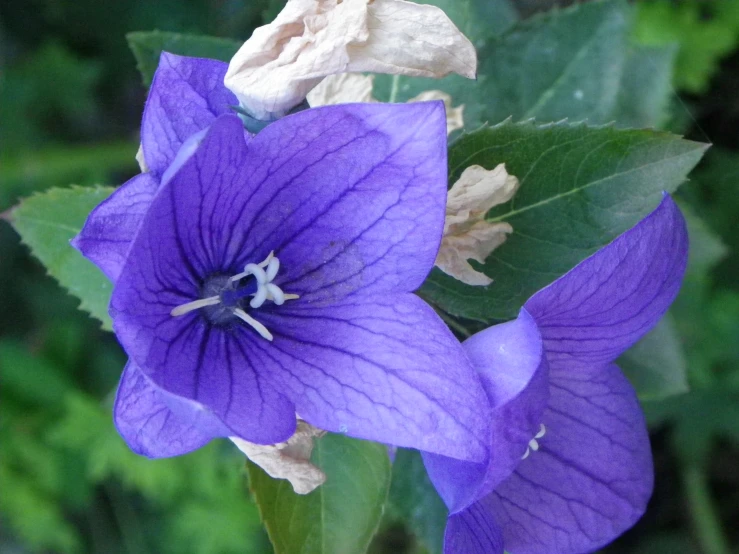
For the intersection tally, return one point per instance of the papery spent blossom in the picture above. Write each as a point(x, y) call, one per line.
point(271, 275)
point(570, 467)
point(467, 236)
point(347, 88)
point(290, 459)
point(310, 39)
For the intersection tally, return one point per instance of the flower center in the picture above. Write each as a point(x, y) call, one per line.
point(533, 443)
point(222, 295)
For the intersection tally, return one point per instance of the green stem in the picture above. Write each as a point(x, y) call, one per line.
point(705, 519)
point(129, 524)
point(451, 323)
point(394, 89)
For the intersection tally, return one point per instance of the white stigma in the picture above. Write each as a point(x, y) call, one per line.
point(533, 443)
point(263, 273)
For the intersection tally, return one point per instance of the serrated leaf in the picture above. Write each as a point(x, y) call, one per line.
point(342, 515)
point(656, 365)
point(148, 45)
point(580, 188)
point(414, 501)
point(556, 65)
point(46, 223)
point(573, 63)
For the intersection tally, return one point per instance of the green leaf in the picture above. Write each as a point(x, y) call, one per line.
point(556, 65)
point(148, 45)
point(342, 515)
point(46, 223)
point(573, 63)
point(414, 501)
point(706, 247)
point(480, 21)
point(580, 188)
point(646, 87)
point(656, 364)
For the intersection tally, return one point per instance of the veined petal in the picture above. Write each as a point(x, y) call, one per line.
point(609, 301)
point(111, 227)
point(383, 368)
point(149, 426)
point(473, 531)
point(186, 96)
point(213, 368)
point(172, 254)
point(510, 361)
point(592, 475)
point(350, 199)
point(355, 201)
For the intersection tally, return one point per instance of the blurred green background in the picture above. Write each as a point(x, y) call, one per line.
point(70, 105)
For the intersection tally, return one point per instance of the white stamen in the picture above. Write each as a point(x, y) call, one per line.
point(258, 327)
point(289, 296)
point(195, 305)
point(533, 445)
point(526, 455)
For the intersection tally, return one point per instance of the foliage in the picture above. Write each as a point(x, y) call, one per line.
point(70, 103)
point(581, 186)
point(147, 46)
point(48, 232)
point(576, 63)
point(704, 31)
point(341, 515)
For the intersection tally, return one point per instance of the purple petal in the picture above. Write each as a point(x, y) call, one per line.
point(111, 227)
point(186, 96)
point(473, 531)
point(350, 197)
point(214, 368)
point(149, 426)
point(383, 368)
point(610, 300)
point(510, 360)
point(592, 476)
point(187, 356)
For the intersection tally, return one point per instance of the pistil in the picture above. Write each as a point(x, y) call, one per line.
point(263, 273)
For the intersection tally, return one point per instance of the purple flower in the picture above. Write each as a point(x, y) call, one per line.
point(186, 96)
point(260, 277)
point(570, 466)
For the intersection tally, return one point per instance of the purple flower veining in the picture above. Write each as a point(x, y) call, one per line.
point(570, 466)
point(257, 277)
